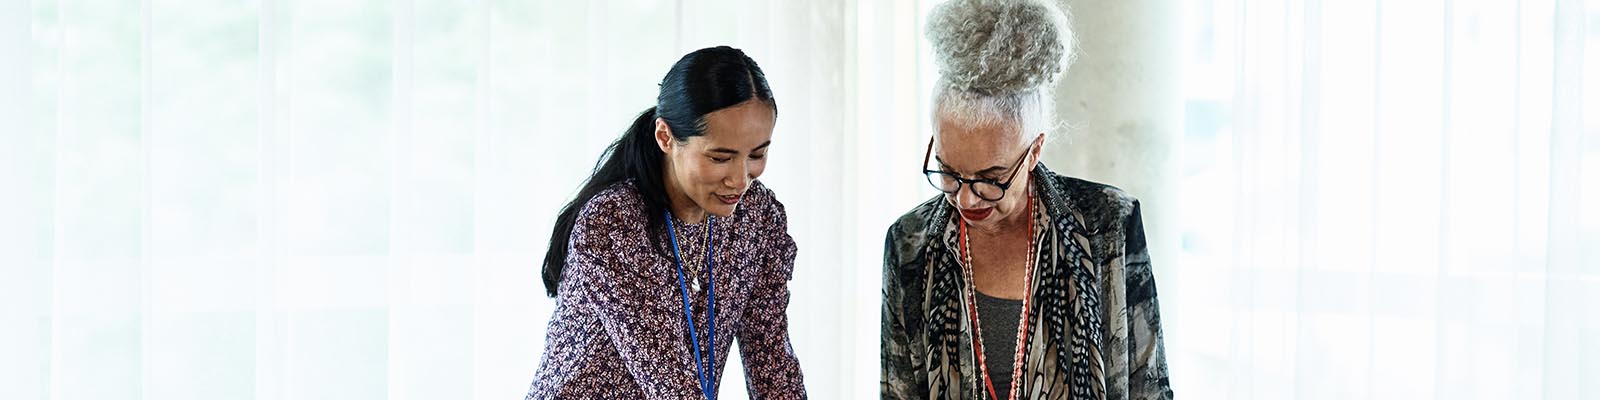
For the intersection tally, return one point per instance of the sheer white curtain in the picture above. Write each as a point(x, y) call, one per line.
point(1390, 199)
point(349, 199)
point(284, 199)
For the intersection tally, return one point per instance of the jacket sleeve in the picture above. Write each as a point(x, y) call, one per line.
point(770, 367)
point(901, 376)
point(1147, 369)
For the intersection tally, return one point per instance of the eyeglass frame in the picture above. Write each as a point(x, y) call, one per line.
point(971, 184)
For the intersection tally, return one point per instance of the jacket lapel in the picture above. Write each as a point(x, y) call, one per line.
point(1067, 360)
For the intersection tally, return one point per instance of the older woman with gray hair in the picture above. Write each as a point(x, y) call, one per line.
point(1017, 282)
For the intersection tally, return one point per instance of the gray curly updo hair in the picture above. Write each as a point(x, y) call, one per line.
point(998, 59)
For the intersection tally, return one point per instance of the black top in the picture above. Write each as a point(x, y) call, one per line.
point(998, 320)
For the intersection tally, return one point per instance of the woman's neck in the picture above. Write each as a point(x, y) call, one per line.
point(683, 208)
point(1014, 224)
point(691, 214)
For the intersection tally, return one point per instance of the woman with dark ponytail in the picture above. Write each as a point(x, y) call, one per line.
point(672, 249)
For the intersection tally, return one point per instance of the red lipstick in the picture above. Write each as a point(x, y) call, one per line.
point(977, 214)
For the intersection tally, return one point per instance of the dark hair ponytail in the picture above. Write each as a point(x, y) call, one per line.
point(701, 82)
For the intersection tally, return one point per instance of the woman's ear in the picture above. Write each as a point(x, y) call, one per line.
point(663, 136)
point(1038, 147)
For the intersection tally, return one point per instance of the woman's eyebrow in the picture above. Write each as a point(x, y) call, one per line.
point(991, 170)
point(725, 150)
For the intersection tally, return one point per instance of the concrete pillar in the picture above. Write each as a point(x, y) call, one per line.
point(1122, 101)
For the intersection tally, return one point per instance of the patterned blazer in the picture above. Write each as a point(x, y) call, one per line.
point(1095, 332)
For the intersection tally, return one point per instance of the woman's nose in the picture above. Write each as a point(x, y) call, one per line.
point(966, 199)
point(739, 179)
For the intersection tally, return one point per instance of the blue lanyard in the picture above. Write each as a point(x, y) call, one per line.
point(708, 381)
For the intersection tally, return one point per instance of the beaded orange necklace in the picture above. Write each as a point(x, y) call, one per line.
point(1022, 324)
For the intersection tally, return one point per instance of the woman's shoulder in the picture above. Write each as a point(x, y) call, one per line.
point(620, 201)
point(918, 220)
point(1100, 204)
point(761, 203)
point(911, 233)
point(760, 194)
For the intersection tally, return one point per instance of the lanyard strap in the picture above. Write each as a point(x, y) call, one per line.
point(707, 376)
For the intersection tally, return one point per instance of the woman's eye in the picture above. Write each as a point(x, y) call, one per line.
point(757, 156)
point(719, 160)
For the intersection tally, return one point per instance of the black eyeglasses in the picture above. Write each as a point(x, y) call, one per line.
point(987, 189)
